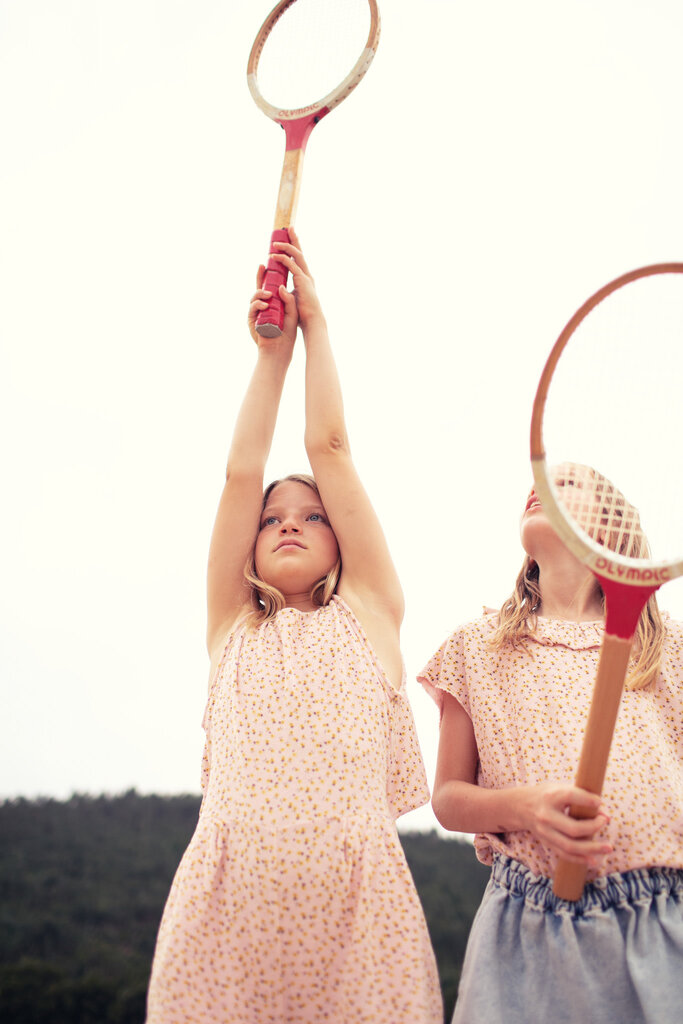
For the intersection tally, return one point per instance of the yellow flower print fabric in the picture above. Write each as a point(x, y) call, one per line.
point(529, 707)
point(293, 902)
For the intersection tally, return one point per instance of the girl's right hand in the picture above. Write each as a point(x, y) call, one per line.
point(544, 809)
point(259, 301)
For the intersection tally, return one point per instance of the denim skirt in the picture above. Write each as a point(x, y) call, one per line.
point(613, 957)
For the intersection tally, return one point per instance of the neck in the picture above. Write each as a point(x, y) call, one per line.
point(302, 602)
point(569, 591)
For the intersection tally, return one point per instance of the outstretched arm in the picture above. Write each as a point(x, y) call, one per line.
point(237, 520)
point(369, 579)
point(462, 806)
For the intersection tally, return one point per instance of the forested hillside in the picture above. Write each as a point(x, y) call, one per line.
point(83, 884)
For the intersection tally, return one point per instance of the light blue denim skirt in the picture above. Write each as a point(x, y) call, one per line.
point(613, 957)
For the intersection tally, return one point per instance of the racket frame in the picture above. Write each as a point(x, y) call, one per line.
point(297, 124)
point(627, 584)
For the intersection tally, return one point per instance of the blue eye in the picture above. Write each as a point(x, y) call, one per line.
point(315, 517)
point(268, 521)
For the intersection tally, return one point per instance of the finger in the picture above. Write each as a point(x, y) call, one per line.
point(583, 798)
point(289, 247)
point(579, 828)
point(288, 300)
point(294, 252)
point(256, 307)
point(575, 801)
point(580, 851)
point(286, 261)
point(291, 312)
point(260, 274)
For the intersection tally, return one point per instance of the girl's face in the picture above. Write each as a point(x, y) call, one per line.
point(535, 530)
point(295, 546)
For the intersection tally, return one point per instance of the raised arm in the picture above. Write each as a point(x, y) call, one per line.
point(367, 566)
point(369, 581)
point(460, 805)
point(239, 508)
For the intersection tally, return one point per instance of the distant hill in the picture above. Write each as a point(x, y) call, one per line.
point(83, 884)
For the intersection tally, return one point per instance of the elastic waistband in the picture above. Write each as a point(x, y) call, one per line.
point(639, 886)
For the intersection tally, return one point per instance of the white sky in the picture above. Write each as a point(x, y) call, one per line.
point(497, 165)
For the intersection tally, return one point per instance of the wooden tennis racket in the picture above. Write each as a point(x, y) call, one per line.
point(305, 58)
point(610, 399)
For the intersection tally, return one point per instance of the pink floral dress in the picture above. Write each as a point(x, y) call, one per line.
point(293, 901)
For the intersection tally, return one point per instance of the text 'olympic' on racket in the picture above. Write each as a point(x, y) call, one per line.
point(608, 423)
point(308, 56)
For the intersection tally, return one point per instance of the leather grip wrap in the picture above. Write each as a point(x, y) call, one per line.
point(270, 321)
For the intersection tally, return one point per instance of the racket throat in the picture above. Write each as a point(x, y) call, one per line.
point(288, 194)
point(298, 129)
point(623, 606)
point(297, 132)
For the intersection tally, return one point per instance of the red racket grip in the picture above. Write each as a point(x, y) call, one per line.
point(270, 321)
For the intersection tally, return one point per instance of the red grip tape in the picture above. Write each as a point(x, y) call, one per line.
point(270, 321)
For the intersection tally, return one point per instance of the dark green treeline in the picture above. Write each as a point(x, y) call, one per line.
point(83, 884)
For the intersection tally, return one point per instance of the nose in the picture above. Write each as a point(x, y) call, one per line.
point(289, 525)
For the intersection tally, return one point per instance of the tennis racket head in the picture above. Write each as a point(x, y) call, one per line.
point(308, 56)
point(607, 412)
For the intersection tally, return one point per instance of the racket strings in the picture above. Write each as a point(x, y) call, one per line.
point(601, 511)
point(311, 49)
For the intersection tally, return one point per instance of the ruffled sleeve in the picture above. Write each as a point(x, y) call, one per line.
point(407, 786)
point(446, 672)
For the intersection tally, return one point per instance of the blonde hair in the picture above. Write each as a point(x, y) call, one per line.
point(518, 620)
point(265, 600)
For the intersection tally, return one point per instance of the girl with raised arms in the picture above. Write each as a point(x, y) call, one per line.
point(293, 902)
point(514, 689)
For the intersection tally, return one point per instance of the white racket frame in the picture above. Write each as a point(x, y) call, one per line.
point(333, 98)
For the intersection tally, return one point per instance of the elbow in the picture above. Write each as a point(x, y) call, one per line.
point(445, 807)
point(333, 442)
point(438, 808)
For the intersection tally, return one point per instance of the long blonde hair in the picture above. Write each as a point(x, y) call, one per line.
point(518, 620)
point(265, 600)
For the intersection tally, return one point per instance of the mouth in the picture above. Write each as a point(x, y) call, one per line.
point(289, 544)
point(533, 502)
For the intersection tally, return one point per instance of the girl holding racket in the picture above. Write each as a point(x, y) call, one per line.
point(513, 688)
point(293, 902)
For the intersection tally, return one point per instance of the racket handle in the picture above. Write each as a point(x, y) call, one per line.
point(569, 878)
point(270, 321)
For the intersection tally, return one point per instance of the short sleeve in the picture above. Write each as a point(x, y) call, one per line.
point(446, 672)
point(407, 786)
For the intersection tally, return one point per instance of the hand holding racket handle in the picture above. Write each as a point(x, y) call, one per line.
point(570, 877)
point(270, 321)
point(620, 626)
point(326, 34)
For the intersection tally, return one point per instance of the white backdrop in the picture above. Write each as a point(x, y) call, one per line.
point(530, 153)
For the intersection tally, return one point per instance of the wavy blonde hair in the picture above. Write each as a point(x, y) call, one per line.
point(518, 620)
point(266, 601)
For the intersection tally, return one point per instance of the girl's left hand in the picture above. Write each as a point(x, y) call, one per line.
point(303, 299)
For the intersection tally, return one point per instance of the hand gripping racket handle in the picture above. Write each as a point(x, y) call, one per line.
point(269, 322)
point(570, 877)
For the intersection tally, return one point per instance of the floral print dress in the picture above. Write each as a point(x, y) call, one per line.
point(293, 901)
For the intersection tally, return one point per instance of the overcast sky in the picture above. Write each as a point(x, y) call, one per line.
point(497, 165)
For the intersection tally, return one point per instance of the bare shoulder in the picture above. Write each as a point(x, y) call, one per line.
point(382, 628)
